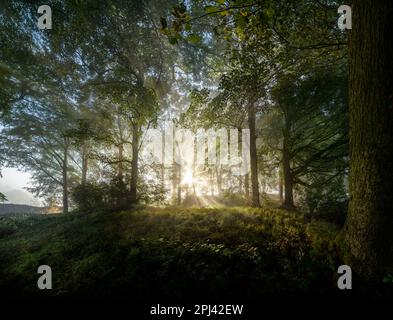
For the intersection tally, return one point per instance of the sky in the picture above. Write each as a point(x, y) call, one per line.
point(12, 184)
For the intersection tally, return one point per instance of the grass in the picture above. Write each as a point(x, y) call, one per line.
point(164, 253)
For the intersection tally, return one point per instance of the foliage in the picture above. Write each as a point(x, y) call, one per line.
point(326, 201)
point(92, 196)
point(2, 197)
point(230, 199)
point(88, 196)
point(203, 248)
point(171, 252)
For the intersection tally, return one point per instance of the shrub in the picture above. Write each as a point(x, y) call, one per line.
point(234, 199)
point(88, 196)
point(327, 201)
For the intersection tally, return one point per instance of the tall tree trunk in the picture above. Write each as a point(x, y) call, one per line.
point(162, 182)
point(174, 183)
point(286, 159)
point(134, 163)
point(280, 185)
point(120, 146)
point(193, 179)
point(368, 231)
point(85, 163)
point(179, 184)
point(288, 180)
point(253, 155)
point(120, 168)
point(162, 171)
point(65, 176)
point(241, 179)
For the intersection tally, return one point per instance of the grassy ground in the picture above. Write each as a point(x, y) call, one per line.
point(168, 253)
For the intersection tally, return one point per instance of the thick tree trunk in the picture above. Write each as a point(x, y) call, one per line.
point(134, 164)
point(368, 231)
point(253, 156)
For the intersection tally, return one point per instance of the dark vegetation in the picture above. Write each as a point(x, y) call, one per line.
point(173, 253)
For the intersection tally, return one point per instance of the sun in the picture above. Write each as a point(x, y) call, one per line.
point(188, 177)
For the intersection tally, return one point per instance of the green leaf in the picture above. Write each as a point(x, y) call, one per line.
point(193, 38)
point(173, 40)
point(164, 24)
point(188, 26)
point(211, 9)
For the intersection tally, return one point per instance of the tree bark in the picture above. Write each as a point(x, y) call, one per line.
point(286, 159)
point(120, 146)
point(281, 185)
point(65, 177)
point(179, 189)
point(120, 169)
point(85, 163)
point(288, 180)
point(368, 231)
point(134, 163)
point(253, 156)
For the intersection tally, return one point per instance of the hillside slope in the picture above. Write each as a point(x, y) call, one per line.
point(8, 208)
point(156, 253)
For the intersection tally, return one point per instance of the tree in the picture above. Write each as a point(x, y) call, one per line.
point(256, 57)
point(307, 126)
point(19, 66)
point(121, 50)
point(368, 232)
point(46, 156)
point(35, 100)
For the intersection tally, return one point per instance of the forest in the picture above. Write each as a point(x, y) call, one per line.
point(216, 149)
